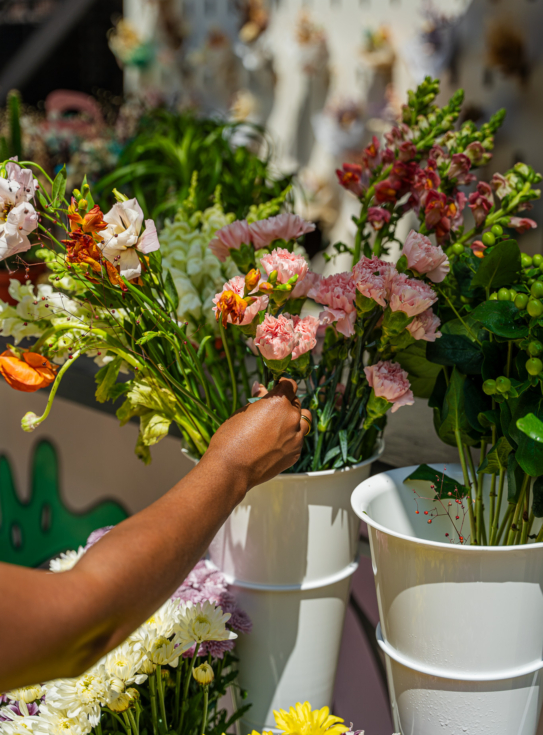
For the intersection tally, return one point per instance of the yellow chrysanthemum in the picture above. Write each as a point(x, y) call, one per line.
point(301, 720)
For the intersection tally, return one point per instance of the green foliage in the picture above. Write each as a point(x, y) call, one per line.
point(441, 483)
point(500, 267)
point(501, 318)
point(158, 164)
point(12, 145)
point(456, 350)
point(422, 372)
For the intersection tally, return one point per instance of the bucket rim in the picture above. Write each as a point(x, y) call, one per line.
point(290, 476)
point(359, 505)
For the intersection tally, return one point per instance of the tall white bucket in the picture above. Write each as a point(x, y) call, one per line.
point(289, 550)
point(461, 626)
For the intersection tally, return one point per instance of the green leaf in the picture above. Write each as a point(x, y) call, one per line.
point(499, 267)
point(499, 318)
point(537, 503)
point(330, 454)
point(201, 348)
point(532, 427)
point(342, 436)
point(453, 415)
point(59, 187)
point(488, 418)
point(106, 378)
point(171, 291)
point(443, 484)
point(422, 372)
point(492, 362)
point(456, 350)
point(146, 337)
point(496, 460)
point(515, 478)
point(476, 403)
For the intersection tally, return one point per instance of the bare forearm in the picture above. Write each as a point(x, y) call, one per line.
point(118, 584)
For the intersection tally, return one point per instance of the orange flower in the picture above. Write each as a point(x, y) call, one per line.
point(92, 221)
point(252, 279)
point(81, 249)
point(28, 373)
point(230, 304)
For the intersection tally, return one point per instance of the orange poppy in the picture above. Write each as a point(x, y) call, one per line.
point(27, 373)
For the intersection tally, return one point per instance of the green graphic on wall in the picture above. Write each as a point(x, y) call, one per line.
point(33, 532)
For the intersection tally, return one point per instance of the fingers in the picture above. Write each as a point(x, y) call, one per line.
point(305, 426)
point(286, 387)
point(258, 390)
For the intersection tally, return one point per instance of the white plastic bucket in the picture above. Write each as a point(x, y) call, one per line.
point(289, 550)
point(461, 626)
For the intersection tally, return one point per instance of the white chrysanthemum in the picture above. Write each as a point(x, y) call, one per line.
point(17, 725)
point(203, 622)
point(164, 652)
point(26, 694)
point(122, 665)
point(83, 695)
point(66, 560)
point(52, 721)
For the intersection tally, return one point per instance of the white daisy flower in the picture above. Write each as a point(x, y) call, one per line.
point(203, 622)
point(52, 721)
point(83, 695)
point(121, 667)
point(66, 561)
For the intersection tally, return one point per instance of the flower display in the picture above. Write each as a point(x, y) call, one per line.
point(144, 681)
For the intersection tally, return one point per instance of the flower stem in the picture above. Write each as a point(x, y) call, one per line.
point(154, 710)
point(230, 367)
point(467, 483)
point(127, 724)
point(496, 516)
point(518, 510)
point(54, 388)
point(178, 677)
point(186, 688)
point(204, 717)
point(135, 728)
point(160, 689)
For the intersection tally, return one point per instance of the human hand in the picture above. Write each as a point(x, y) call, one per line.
point(263, 438)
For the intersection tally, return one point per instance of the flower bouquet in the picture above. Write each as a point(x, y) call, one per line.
point(168, 676)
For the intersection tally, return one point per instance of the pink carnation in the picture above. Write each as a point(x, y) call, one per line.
point(389, 381)
point(275, 337)
point(424, 326)
point(410, 295)
point(230, 237)
point(424, 257)
point(338, 292)
point(306, 333)
point(237, 285)
point(371, 277)
point(303, 287)
point(286, 264)
point(282, 227)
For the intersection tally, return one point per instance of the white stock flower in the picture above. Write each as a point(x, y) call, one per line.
point(66, 560)
point(83, 695)
point(122, 238)
point(53, 721)
point(16, 224)
point(18, 186)
point(203, 622)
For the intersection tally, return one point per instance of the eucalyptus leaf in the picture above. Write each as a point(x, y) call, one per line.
point(499, 267)
point(453, 415)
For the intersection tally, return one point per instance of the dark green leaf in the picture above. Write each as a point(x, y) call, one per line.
point(499, 267)
point(515, 478)
point(464, 276)
point(422, 372)
point(492, 362)
point(443, 484)
point(330, 454)
point(59, 187)
point(537, 503)
point(496, 460)
point(438, 393)
point(532, 427)
point(489, 418)
point(476, 403)
point(342, 436)
point(499, 318)
point(202, 346)
point(453, 417)
point(529, 453)
point(456, 350)
point(171, 291)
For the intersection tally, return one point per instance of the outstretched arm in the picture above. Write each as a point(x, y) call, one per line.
point(58, 625)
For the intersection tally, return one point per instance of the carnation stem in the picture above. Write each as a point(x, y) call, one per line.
point(204, 716)
point(186, 688)
point(160, 689)
point(154, 711)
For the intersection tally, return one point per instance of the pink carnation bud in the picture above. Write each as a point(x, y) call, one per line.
point(286, 264)
point(424, 257)
point(390, 382)
point(237, 285)
point(275, 337)
point(424, 326)
point(410, 295)
point(282, 227)
point(230, 237)
point(306, 332)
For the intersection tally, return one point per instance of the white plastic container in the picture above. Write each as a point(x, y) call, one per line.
point(461, 626)
point(289, 551)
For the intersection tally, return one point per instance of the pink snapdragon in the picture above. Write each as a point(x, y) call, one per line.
point(230, 237)
point(390, 382)
point(459, 169)
point(275, 337)
point(410, 295)
point(237, 285)
point(303, 287)
point(306, 333)
point(371, 276)
point(425, 326)
point(286, 264)
point(282, 227)
point(378, 217)
point(338, 293)
point(424, 257)
point(480, 202)
point(501, 185)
